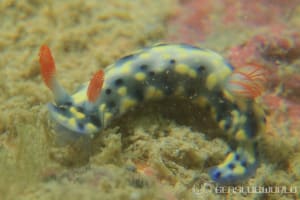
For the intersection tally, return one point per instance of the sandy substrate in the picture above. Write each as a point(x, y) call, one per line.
point(134, 159)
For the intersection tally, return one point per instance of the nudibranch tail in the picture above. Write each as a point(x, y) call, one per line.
point(238, 165)
point(95, 86)
point(48, 71)
point(247, 81)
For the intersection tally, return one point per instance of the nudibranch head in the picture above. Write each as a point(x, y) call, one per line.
point(76, 113)
point(76, 118)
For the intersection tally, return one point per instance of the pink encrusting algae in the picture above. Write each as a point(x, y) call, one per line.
point(275, 52)
point(196, 20)
point(273, 44)
point(256, 13)
point(263, 33)
point(192, 21)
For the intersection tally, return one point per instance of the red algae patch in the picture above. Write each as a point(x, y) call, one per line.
point(266, 34)
point(278, 53)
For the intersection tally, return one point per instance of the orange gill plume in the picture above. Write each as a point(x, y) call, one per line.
point(247, 81)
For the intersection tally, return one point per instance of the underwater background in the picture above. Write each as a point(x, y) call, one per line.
point(153, 153)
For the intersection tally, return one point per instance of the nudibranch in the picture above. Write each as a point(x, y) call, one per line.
point(182, 71)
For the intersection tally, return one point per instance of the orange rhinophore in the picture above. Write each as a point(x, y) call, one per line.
point(95, 86)
point(48, 71)
point(247, 81)
point(47, 66)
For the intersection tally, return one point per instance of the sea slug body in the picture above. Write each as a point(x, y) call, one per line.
point(168, 70)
